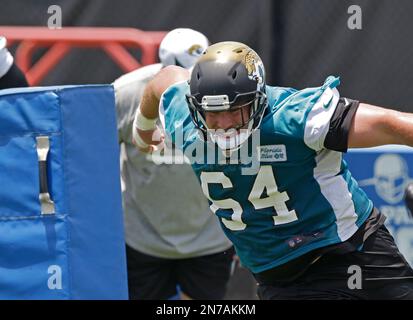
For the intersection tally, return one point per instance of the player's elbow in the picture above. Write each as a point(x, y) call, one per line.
point(394, 126)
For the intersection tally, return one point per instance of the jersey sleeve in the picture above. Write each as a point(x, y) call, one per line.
point(319, 114)
point(305, 115)
point(174, 113)
point(328, 120)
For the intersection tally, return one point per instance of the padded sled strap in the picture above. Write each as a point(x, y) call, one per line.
point(47, 204)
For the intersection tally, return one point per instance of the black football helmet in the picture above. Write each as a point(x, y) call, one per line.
point(227, 77)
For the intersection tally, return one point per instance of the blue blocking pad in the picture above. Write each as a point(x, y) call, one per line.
point(75, 249)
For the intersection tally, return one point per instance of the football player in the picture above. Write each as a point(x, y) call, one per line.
point(298, 219)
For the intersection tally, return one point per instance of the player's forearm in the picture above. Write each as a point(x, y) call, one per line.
point(149, 106)
point(146, 135)
point(144, 124)
point(157, 86)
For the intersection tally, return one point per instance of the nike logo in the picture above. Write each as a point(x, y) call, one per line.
point(325, 105)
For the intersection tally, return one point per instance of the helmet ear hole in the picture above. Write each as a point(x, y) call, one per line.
point(198, 75)
point(234, 74)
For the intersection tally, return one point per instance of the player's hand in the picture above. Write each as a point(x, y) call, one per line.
point(151, 140)
point(408, 198)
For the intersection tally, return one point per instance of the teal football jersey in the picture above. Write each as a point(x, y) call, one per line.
point(301, 196)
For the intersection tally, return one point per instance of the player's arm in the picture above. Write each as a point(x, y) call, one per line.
point(374, 126)
point(146, 136)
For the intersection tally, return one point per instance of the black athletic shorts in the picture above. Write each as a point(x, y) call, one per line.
point(377, 271)
point(153, 278)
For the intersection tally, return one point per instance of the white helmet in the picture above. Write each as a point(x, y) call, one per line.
point(182, 47)
point(3, 42)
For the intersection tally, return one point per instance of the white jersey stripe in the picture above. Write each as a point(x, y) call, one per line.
point(335, 189)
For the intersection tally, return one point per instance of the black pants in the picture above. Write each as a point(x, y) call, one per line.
point(153, 278)
point(377, 271)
